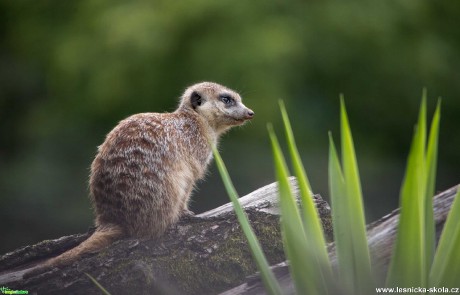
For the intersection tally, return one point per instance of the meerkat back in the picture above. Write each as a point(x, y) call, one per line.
point(145, 170)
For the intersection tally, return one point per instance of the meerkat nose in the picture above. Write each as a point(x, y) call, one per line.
point(249, 114)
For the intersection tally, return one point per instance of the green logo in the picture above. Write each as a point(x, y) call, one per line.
point(6, 290)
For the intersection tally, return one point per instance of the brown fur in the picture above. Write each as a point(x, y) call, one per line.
point(145, 171)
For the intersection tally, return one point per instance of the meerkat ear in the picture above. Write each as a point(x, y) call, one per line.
point(195, 99)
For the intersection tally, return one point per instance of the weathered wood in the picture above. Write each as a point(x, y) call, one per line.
point(380, 234)
point(203, 255)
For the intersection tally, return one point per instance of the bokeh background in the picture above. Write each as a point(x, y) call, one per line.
point(70, 70)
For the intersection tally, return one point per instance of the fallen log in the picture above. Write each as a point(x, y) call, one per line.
point(203, 255)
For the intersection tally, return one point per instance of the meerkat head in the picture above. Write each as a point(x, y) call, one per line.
point(221, 107)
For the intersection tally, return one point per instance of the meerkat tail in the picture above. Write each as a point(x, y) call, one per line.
point(102, 237)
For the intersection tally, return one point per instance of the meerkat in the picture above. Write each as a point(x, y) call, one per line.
point(144, 173)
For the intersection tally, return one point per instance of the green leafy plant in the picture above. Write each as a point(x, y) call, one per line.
point(268, 278)
point(446, 265)
point(348, 214)
point(414, 246)
point(304, 240)
point(414, 261)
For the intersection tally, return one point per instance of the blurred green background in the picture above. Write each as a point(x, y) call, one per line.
point(70, 70)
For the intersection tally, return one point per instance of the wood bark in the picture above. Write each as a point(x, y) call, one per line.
point(203, 255)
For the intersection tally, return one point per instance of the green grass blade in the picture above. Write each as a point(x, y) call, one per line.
point(311, 221)
point(408, 262)
point(431, 164)
point(103, 290)
point(269, 280)
point(361, 267)
point(446, 265)
point(342, 237)
point(302, 261)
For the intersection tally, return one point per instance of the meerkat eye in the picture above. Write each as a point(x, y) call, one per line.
point(227, 99)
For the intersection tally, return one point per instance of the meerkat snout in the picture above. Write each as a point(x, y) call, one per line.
point(249, 114)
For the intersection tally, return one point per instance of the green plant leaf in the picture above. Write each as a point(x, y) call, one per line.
point(103, 290)
point(269, 280)
point(408, 263)
point(356, 268)
point(311, 220)
point(301, 255)
point(446, 265)
point(340, 221)
point(431, 165)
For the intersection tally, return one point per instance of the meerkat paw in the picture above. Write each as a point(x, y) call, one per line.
point(188, 215)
